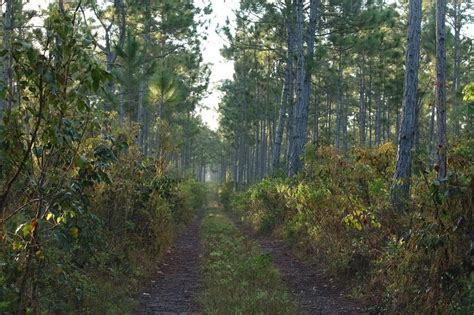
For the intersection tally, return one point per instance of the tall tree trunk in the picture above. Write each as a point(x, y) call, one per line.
point(263, 137)
point(293, 159)
point(362, 109)
point(146, 131)
point(109, 47)
point(388, 125)
point(339, 109)
point(441, 87)
point(143, 85)
point(328, 118)
point(141, 112)
point(344, 125)
point(287, 93)
point(235, 165)
point(303, 79)
point(256, 154)
point(6, 71)
point(223, 171)
point(432, 132)
point(111, 55)
point(401, 186)
point(416, 145)
point(289, 129)
point(317, 105)
point(457, 64)
point(271, 136)
point(242, 159)
point(369, 93)
point(337, 142)
point(378, 117)
point(62, 8)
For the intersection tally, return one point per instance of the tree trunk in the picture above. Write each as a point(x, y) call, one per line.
point(143, 86)
point(362, 109)
point(289, 129)
point(401, 186)
point(328, 114)
point(416, 145)
point(344, 125)
point(62, 8)
point(388, 126)
point(263, 149)
point(6, 103)
point(315, 135)
point(378, 117)
point(287, 96)
point(432, 132)
point(303, 79)
point(369, 94)
point(235, 170)
point(146, 131)
point(141, 112)
point(441, 88)
point(339, 109)
point(457, 65)
point(256, 154)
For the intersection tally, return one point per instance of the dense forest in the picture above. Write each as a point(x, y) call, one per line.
point(340, 178)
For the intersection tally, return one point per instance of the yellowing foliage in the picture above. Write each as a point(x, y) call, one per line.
point(338, 211)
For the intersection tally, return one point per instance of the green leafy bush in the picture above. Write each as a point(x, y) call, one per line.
point(83, 211)
point(225, 194)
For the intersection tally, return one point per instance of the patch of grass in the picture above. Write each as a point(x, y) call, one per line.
point(239, 279)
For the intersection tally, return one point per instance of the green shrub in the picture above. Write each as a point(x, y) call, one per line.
point(195, 195)
point(100, 239)
point(225, 195)
point(267, 200)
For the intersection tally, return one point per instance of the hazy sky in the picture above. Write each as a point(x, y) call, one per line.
point(221, 68)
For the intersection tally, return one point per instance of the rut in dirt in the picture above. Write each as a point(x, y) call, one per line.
point(314, 292)
point(175, 288)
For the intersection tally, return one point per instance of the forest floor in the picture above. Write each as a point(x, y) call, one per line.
point(178, 284)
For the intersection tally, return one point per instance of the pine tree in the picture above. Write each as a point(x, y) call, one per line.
point(401, 186)
point(441, 89)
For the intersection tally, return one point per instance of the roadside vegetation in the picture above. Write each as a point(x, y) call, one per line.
point(89, 195)
point(238, 277)
point(346, 128)
point(92, 249)
point(338, 211)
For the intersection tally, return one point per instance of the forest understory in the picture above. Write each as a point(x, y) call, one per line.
point(337, 178)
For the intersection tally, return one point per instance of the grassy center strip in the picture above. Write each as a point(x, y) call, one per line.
point(239, 279)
